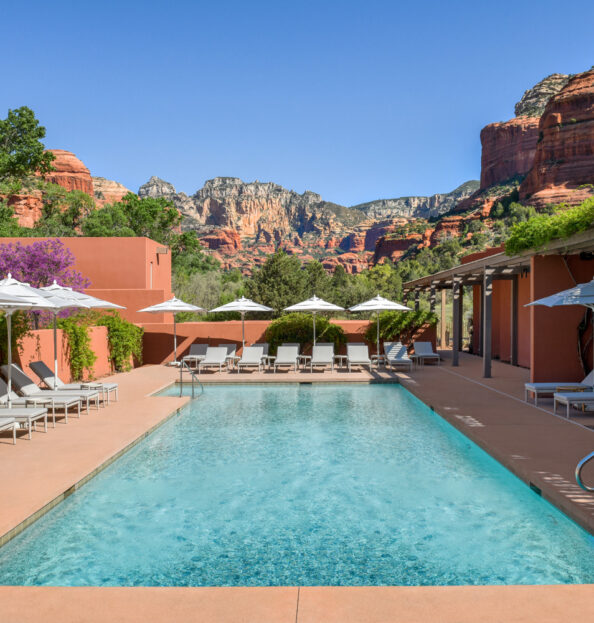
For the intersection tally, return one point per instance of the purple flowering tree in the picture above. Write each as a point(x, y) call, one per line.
point(38, 264)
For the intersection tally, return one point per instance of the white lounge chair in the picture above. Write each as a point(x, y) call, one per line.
point(572, 398)
point(265, 350)
point(25, 411)
point(196, 355)
point(7, 423)
point(287, 356)
point(251, 357)
point(322, 355)
point(47, 377)
point(397, 355)
point(232, 357)
point(62, 400)
point(216, 357)
point(424, 352)
point(547, 389)
point(358, 355)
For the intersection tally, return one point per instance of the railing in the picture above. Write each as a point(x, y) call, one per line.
point(578, 472)
point(193, 376)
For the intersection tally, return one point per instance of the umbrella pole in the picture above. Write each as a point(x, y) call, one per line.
point(9, 331)
point(242, 330)
point(55, 351)
point(377, 343)
point(314, 327)
point(174, 340)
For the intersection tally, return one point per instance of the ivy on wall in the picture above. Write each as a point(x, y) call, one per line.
point(81, 356)
point(400, 325)
point(125, 340)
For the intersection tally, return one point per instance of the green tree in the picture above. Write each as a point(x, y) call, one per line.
point(317, 280)
point(9, 224)
point(280, 282)
point(21, 151)
point(63, 212)
point(188, 256)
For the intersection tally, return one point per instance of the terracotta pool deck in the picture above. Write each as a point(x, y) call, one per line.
point(537, 446)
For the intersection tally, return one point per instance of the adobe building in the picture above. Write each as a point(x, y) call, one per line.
point(555, 343)
point(133, 272)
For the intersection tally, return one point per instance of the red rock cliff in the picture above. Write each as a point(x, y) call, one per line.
point(507, 149)
point(70, 172)
point(564, 158)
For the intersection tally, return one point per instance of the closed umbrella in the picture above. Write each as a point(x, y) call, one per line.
point(581, 294)
point(378, 304)
point(243, 306)
point(173, 305)
point(28, 298)
point(314, 305)
point(67, 298)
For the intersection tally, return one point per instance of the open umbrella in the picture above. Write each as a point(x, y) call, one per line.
point(581, 294)
point(174, 306)
point(28, 298)
point(243, 306)
point(66, 298)
point(378, 304)
point(314, 305)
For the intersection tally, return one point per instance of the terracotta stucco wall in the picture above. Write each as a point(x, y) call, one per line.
point(158, 337)
point(39, 346)
point(554, 353)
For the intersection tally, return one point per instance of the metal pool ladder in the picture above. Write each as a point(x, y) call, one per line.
point(193, 375)
point(578, 472)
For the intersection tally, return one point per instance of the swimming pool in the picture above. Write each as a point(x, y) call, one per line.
point(302, 485)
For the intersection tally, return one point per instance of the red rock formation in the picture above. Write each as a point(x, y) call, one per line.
point(507, 149)
point(394, 248)
point(351, 262)
point(27, 208)
point(354, 242)
point(564, 158)
point(107, 191)
point(224, 241)
point(448, 227)
point(70, 172)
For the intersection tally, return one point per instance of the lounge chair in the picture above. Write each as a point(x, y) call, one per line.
point(6, 423)
point(232, 357)
point(62, 400)
point(265, 350)
point(47, 377)
point(196, 355)
point(216, 357)
point(358, 355)
point(25, 411)
point(572, 398)
point(424, 352)
point(251, 356)
point(397, 355)
point(322, 355)
point(287, 356)
point(547, 389)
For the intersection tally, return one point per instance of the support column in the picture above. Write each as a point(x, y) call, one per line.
point(417, 293)
point(515, 289)
point(456, 320)
point(442, 322)
point(487, 316)
point(405, 297)
point(479, 322)
point(432, 298)
point(461, 317)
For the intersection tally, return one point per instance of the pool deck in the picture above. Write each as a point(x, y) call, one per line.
point(537, 446)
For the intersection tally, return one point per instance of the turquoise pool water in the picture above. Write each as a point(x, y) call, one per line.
point(302, 485)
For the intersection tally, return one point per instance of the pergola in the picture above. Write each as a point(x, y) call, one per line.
point(482, 272)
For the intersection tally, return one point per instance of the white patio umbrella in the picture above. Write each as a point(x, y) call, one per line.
point(314, 305)
point(243, 306)
point(378, 304)
point(173, 305)
point(65, 298)
point(581, 294)
point(28, 298)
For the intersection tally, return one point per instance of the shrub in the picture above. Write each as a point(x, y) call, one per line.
point(400, 325)
point(81, 356)
point(125, 340)
point(299, 328)
point(543, 228)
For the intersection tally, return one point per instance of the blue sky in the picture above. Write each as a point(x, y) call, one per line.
point(354, 100)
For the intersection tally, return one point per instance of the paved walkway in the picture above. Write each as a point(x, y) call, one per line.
point(530, 441)
point(43, 470)
point(455, 604)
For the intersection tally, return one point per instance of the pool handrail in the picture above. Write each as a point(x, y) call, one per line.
point(578, 472)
